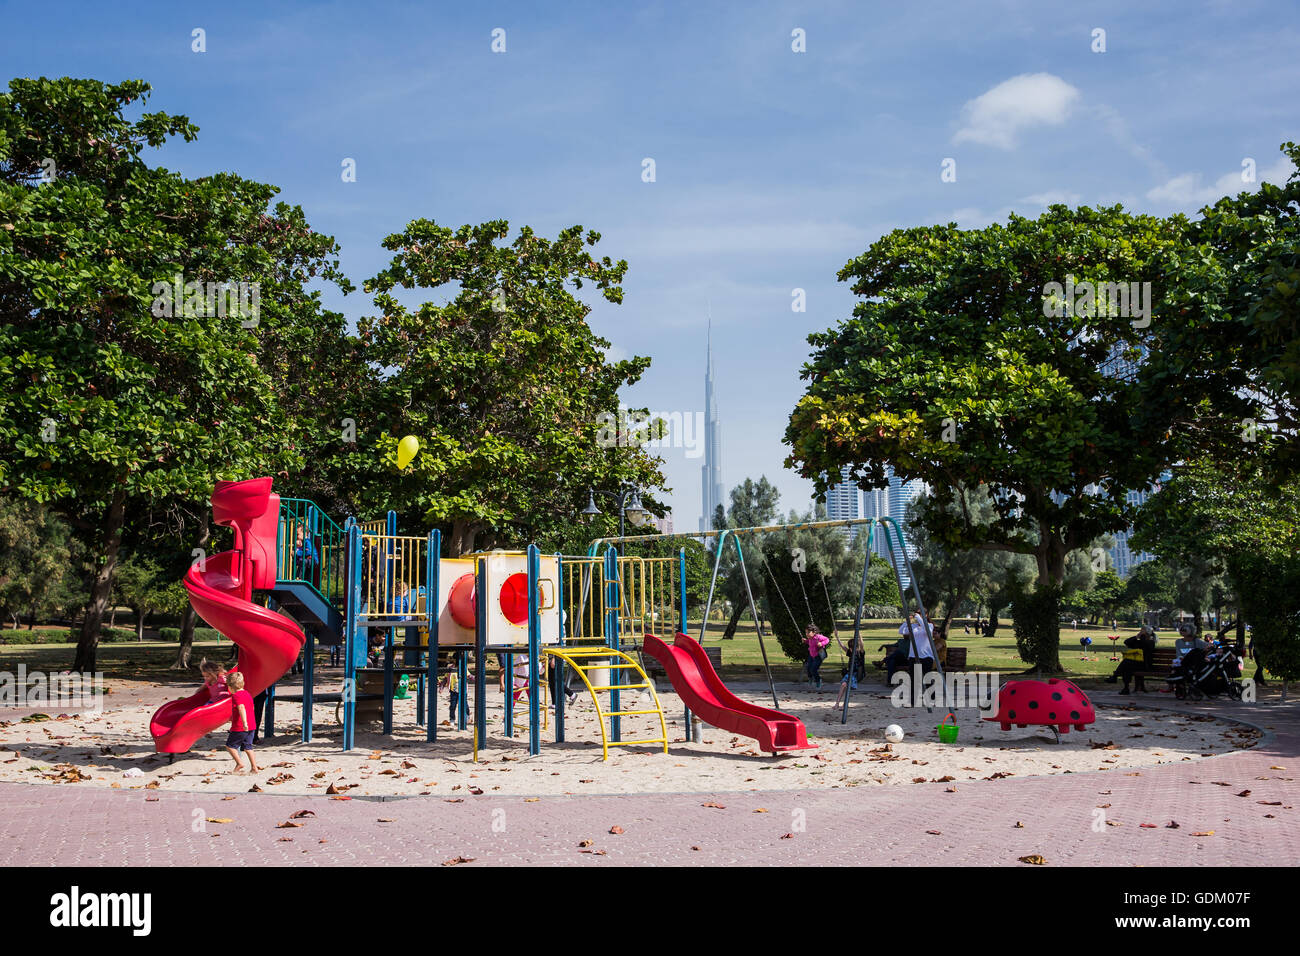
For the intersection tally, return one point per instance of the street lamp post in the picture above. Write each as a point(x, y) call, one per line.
point(628, 500)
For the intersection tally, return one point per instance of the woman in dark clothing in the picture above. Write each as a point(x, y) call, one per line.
point(1130, 667)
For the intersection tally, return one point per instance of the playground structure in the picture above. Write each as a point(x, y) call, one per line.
point(360, 586)
point(392, 604)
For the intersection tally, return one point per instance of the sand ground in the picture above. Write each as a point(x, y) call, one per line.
point(100, 749)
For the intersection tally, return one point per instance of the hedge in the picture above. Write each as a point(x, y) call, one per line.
point(172, 635)
point(108, 635)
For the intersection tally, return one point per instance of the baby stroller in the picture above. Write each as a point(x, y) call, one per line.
point(1207, 673)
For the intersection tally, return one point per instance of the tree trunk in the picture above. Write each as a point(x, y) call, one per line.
point(730, 631)
point(189, 618)
point(140, 615)
point(112, 615)
point(102, 586)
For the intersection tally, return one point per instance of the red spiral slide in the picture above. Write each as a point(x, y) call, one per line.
point(221, 591)
point(702, 690)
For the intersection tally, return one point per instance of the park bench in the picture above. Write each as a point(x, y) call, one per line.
point(654, 669)
point(1162, 663)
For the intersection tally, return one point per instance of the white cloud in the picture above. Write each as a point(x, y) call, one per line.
point(1052, 197)
point(1186, 189)
point(997, 117)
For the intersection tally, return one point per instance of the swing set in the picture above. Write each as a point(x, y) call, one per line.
point(895, 546)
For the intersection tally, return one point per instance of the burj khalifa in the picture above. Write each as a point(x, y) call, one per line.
point(711, 471)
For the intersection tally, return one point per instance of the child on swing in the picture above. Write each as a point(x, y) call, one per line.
point(856, 669)
point(817, 644)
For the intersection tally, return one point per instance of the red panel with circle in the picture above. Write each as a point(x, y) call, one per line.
point(514, 598)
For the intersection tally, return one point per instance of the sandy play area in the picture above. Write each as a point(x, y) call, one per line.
point(113, 749)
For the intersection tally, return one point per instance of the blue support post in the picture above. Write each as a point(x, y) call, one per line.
point(308, 679)
point(534, 653)
point(480, 651)
point(388, 680)
point(561, 678)
point(433, 585)
point(352, 605)
point(612, 600)
point(269, 728)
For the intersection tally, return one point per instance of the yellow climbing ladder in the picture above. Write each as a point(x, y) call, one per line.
point(584, 659)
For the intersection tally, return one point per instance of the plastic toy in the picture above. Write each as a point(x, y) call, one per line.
point(1055, 704)
point(947, 732)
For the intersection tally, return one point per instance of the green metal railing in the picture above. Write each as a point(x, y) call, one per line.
point(302, 520)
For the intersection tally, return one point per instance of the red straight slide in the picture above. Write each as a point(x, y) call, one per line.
point(700, 688)
point(221, 591)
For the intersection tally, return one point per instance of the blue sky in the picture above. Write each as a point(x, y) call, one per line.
point(772, 168)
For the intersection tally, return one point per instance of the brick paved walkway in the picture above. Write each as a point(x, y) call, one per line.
point(1061, 817)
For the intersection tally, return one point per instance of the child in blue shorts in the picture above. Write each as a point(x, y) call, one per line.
point(241, 722)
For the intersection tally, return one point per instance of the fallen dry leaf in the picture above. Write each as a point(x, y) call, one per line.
point(616, 830)
point(1037, 859)
point(715, 806)
point(458, 860)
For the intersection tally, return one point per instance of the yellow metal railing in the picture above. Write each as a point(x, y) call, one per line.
point(647, 590)
point(394, 569)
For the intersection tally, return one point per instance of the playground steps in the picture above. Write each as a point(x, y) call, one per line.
point(585, 659)
point(309, 608)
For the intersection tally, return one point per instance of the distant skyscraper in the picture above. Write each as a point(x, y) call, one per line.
point(842, 502)
point(892, 501)
point(711, 470)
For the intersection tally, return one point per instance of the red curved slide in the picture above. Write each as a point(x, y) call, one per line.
point(699, 686)
point(221, 593)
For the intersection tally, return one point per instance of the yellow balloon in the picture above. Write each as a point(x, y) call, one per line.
point(406, 449)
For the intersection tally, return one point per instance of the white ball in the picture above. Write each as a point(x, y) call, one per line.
point(893, 733)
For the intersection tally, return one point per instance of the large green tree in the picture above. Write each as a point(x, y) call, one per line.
point(753, 504)
point(1238, 514)
point(503, 382)
point(962, 366)
point(129, 370)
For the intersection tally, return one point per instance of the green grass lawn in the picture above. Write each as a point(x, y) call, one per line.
point(742, 659)
point(147, 660)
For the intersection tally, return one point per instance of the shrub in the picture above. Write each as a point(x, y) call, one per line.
point(172, 635)
point(1038, 630)
point(32, 637)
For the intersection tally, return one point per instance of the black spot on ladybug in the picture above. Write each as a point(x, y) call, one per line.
point(1011, 714)
point(1056, 696)
point(1052, 715)
point(1074, 715)
point(1033, 705)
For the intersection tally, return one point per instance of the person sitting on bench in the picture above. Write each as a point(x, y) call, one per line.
point(1136, 660)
